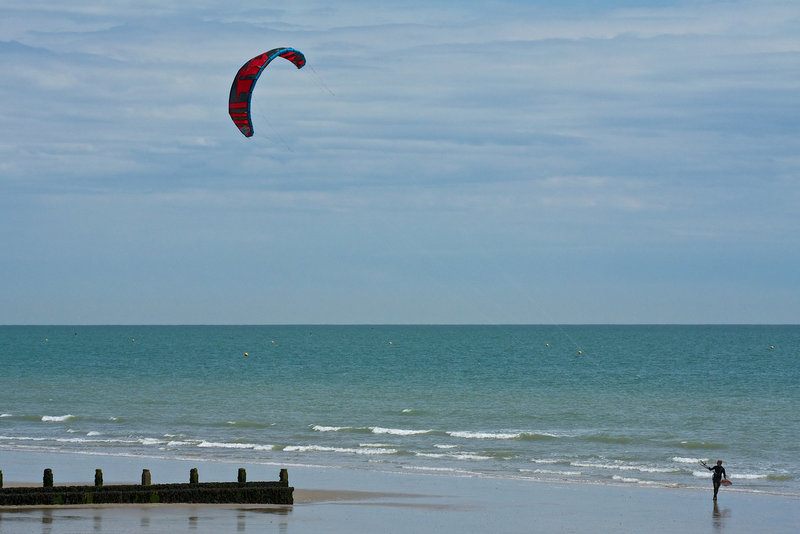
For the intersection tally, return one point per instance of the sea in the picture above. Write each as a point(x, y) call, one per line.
point(624, 405)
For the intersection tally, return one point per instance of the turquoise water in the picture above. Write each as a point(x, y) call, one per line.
point(629, 405)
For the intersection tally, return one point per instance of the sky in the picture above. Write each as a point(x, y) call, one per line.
point(534, 162)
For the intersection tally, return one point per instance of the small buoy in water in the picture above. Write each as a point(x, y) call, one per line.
point(580, 352)
point(390, 343)
point(133, 340)
point(547, 344)
point(245, 354)
point(771, 347)
point(273, 341)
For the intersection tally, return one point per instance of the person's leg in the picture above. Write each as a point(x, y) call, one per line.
point(716, 488)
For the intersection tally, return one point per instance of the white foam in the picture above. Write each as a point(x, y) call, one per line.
point(633, 480)
point(625, 467)
point(552, 472)
point(684, 460)
point(178, 443)
point(645, 469)
point(218, 445)
point(485, 435)
point(433, 469)
point(57, 418)
point(321, 428)
point(93, 433)
point(320, 448)
point(446, 446)
point(6, 415)
point(397, 431)
point(461, 456)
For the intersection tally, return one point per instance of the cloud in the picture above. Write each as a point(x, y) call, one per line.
point(498, 135)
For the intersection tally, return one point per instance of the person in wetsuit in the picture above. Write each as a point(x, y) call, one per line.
point(716, 478)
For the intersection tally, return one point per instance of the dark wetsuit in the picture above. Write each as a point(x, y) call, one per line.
point(716, 478)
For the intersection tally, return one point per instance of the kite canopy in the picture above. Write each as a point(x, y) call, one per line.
point(245, 82)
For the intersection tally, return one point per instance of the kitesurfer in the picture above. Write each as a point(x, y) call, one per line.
point(716, 478)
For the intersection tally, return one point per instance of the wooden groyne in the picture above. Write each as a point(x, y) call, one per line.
point(241, 491)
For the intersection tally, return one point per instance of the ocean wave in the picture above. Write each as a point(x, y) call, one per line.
point(552, 472)
point(701, 445)
point(485, 435)
point(246, 424)
point(525, 436)
point(749, 476)
point(322, 448)
point(6, 415)
point(630, 480)
point(430, 469)
point(621, 440)
point(57, 418)
point(745, 476)
point(683, 460)
point(397, 431)
point(67, 440)
point(454, 456)
point(779, 478)
point(625, 467)
point(223, 445)
point(322, 428)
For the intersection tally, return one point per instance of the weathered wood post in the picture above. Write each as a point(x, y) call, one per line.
point(47, 478)
point(242, 476)
point(98, 478)
point(1, 478)
point(194, 478)
point(284, 476)
point(145, 477)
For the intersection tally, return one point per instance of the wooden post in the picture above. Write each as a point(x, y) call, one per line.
point(145, 477)
point(284, 476)
point(47, 479)
point(98, 478)
point(1, 478)
point(242, 476)
point(194, 478)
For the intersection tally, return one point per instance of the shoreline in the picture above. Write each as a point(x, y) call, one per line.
point(340, 501)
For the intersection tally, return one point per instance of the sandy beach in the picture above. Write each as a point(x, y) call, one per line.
point(342, 501)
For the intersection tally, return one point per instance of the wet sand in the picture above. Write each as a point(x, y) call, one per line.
point(338, 501)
